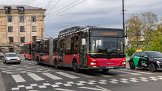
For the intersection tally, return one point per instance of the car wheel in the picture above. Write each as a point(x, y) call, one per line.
point(105, 70)
point(152, 67)
point(131, 65)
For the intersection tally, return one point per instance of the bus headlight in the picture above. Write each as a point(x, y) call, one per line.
point(124, 63)
point(93, 63)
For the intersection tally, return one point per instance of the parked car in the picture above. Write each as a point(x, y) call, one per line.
point(1, 55)
point(11, 58)
point(151, 60)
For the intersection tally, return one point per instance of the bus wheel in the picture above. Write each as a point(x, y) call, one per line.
point(105, 70)
point(37, 60)
point(55, 64)
point(131, 65)
point(75, 67)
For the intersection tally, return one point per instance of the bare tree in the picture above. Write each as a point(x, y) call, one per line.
point(149, 20)
point(134, 26)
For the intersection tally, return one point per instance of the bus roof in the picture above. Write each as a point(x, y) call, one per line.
point(81, 28)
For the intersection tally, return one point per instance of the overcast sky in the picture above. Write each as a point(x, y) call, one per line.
point(61, 14)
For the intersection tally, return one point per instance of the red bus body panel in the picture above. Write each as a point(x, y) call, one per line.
point(107, 63)
point(28, 55)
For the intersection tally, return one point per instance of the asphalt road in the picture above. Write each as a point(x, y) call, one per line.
point(28, 76)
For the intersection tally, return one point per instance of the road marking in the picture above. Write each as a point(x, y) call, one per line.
point(81, 74)
point(64, 89)
point(42, 86)
point(103, 89)
point(90, 88)
point(153, 78)
point(35, 77)
point(29, 87)
point(51, 76)
point(136, 71)
point(98, 88)
point(123, 80)
point(18, 78)
point(67, 75)
point(127, 72)
point(15, 88)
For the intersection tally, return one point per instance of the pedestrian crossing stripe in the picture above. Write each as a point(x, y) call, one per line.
point(67, 75)
point(140, 72)
point(35, 77)
point(127, 72)
point(89, 82)
point(18, 78)
point(51, 76)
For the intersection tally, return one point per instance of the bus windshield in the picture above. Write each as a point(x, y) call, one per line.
point(106, 45)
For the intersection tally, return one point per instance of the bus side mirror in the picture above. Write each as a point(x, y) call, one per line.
point(83, 41)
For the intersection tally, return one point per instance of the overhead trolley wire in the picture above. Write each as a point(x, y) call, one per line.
point(52, 7)
point(69, 6)
point(49, 3)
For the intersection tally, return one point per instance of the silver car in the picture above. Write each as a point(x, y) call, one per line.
point(11, 58)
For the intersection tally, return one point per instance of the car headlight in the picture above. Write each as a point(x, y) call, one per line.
point(158, 62)
point(7, 59)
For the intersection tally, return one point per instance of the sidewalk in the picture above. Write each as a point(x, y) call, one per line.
point(2, 87)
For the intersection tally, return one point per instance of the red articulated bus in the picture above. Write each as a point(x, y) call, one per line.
point(28, 50)
point(84, 48)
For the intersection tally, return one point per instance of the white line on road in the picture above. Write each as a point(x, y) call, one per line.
point(18, 78)
point(90, 88)
point(127, 72)
point(98, 88)
point(64, 89)
point(35, 77)
point(137, 71)
point(67, 75)
point(51, 76)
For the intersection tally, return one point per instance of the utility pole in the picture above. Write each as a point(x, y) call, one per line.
point(125, 34)
point(123, 10)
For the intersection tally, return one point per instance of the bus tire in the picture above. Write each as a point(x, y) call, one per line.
point(75, 66)
point(55, 64)
point(131, 65)
point(37, 60)
point(105, 70)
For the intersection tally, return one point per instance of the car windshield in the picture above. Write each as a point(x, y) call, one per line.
point(155, 54)
point(11, 55)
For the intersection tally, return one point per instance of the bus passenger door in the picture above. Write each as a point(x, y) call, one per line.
point(83, 57)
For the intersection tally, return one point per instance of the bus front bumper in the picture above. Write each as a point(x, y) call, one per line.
point(107, 67)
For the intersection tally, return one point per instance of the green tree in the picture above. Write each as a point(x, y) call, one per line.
point(156, 41)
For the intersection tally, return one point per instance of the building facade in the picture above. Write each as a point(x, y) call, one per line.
point(19, 24)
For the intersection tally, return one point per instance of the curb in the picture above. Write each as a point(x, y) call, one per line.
point(2, 87)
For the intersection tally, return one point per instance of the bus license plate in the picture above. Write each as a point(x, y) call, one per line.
point(109, 67)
